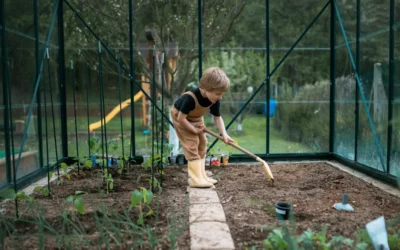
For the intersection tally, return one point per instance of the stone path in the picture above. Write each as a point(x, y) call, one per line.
point(208, 228)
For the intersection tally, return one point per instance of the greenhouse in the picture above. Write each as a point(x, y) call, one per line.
point(299, 148)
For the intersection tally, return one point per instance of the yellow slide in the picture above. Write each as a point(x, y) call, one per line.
point(115, 111)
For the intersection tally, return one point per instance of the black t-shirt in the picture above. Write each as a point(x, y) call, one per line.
point(186, 103)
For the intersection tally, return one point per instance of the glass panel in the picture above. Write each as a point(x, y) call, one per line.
point(50, 99)
point(374, 70)
point(241, 54)
point(395, 153)
point(345, 81)
point(301, 84)
point(22, 70)
point(3, 173)
point(173, 27)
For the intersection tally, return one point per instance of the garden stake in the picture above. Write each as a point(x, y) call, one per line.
point(264, 164)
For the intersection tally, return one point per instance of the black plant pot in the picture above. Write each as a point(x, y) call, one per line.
point(180, 159)
point(282, 210)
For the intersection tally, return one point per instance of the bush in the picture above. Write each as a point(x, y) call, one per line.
point(305, 116)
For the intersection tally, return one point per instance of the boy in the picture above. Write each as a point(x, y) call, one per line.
point(187, 117)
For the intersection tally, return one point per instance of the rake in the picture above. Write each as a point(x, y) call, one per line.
point(255, 157)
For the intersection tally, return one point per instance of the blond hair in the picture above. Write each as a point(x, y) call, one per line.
point(214, 79)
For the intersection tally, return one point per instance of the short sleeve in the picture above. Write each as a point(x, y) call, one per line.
point(185, 104)
point(214, 109)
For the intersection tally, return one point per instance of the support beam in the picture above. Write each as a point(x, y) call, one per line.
point(61, 79)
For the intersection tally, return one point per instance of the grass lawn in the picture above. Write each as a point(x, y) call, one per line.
point(253, 137)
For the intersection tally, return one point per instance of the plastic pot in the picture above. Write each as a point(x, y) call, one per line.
point(282, 210)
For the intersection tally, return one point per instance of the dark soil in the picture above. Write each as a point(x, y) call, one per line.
point(106, 223)
point(248, 199)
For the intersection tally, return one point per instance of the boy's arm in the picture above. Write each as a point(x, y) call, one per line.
point(221, 127)
point(182, 120)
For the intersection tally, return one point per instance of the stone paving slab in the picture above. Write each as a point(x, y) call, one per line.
point(208, 228)
point(210, 236)
point(207, 212)
point(203, 195)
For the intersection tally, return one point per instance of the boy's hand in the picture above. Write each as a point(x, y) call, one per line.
point(227, 139)
point(200, 129)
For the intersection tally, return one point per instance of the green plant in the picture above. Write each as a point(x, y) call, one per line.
point(64, 167)
point(42, 190)
point(154, 184)
point(154, 161)
point(96, 145)
point(123, 164)
point(142, 198)
point(109, 180)
point(77, 201)
point(11, 194)
point(88, 164)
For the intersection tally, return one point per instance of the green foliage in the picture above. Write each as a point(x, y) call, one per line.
point(285, 238)
point(77, 201)
point(42, 190)
point(64, 167)
point(8, 194)
point(142, 198)
point(88, 164)
point(109, 180)
point(306, 122)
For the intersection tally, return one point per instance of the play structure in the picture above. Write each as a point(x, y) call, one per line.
point(116, 110)
point(146, 50)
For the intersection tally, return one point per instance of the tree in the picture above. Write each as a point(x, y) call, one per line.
point(169, 21)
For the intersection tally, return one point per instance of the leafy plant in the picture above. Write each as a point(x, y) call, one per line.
point(42, 190)
point(88, 164)
point(109, 180)
point(77, 201)
point(142, 198)
point(122, 164)
point(64, 167)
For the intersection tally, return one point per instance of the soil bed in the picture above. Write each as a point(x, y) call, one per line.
point(107, 223)
point(248, 199)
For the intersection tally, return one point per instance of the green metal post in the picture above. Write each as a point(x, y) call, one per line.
point(61, 79)
point(199, 16)
point(75, 121)
point(268, 92)
point(162, 117)
point(103, 111)
point(53, 113)
point(46, 124)
point(87, 106)
point(38, 97)
point(5, 90)
point(357, 108)
point(120, 110)
point(332, 113)
point(391, 84)
point(132, 74)
point(153, 112)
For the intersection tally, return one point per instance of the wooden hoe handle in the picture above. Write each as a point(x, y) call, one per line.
point(232, 144)
point(264, 164)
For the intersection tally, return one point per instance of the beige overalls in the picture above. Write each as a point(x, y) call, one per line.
point(194, 146)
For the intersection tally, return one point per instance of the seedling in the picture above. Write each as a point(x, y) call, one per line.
point(42, 190)
point(122, 165)
point(109, 180)
point(77, 201)
point(142, 199)
point(11, 194)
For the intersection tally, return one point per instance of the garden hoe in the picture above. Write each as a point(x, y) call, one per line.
point(264, 164)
